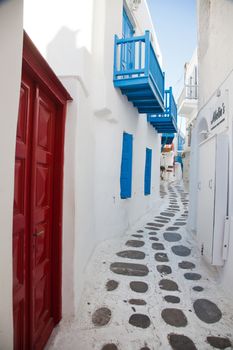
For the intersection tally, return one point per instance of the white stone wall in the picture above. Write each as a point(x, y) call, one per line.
point(11, 39)
point(204, 118)
point(215, 65)
point(215, 53)
point(79, 46)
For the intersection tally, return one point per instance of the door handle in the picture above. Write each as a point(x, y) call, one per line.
point(37, 234)
point(211, 184)
point(199, 185)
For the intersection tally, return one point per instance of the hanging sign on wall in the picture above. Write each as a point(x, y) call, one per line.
point(218, 116)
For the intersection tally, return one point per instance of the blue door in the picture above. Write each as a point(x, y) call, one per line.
point(147, 180)
point(126, 166)
point(128, 48)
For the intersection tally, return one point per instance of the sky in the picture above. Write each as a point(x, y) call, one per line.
point(175, 26)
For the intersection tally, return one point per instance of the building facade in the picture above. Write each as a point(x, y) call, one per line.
point(109, 63)
point(187, 108)
point(211, 205)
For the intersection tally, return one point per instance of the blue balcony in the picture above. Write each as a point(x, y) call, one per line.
point(165, 122)
point(167, 139)
point(138, 74)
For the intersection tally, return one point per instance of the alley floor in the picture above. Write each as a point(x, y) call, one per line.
point(150, 290)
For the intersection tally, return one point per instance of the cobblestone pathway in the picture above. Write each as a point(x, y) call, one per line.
point(150, 290)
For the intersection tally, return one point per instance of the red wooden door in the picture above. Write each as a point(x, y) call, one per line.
point(37, 218)
point(33, 217)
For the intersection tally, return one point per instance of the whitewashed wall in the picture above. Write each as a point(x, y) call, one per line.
point(80, 49)
point(215, 51)
point(215, 64)
point(11, 39)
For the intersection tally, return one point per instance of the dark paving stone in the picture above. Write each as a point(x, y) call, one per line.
point(140, 231)
point(139, 320)
point(172, 228)
point(192, 276)
point(111, 285)
point(161, 257)
point(172, 237)
point(198, 288)
point(154, 224)
point(167, 214)
point(129, 269)
point(164, 269)
point(137, 302)
point(162, 218)
point(101, 317)
point(218, 342)
point(152, 233)
point(137, 236)
point(151, 228)
point(109, 347)
point(170, 285)
point(180, 223)
point(174, 317)
point(153, 238)
point(134, 243)
point(186, 265)
point(172, 299)
point(132, 254)
point(139, 287)
point(207, 311)
point(181, 342)
point(158, 246)
point(181, 250)
point(162, 221)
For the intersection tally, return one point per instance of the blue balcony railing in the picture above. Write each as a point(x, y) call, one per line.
point(167, 139)
point(138, 74)
point(166, 122)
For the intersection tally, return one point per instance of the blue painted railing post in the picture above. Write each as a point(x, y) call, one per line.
point(115, 56)
point(147, 53)
point(163, 93)
point(170, 100)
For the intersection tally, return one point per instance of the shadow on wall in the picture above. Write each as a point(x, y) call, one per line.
point(202, 130)
point(67, 59)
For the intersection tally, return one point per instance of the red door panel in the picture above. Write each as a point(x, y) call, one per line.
point(21, 226)
point(42, 216)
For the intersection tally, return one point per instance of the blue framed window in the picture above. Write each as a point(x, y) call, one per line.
point(147, 179)
point(126, 166)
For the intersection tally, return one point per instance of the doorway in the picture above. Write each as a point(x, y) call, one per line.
point(37, 217)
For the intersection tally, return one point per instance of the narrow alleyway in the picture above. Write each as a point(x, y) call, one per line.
point(150, 290)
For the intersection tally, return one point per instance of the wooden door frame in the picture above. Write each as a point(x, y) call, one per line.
point(38, 69)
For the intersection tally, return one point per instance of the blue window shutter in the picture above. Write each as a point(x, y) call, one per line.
point(127, 27)
point(147, 180)
point(126, 166)
point(127, 49)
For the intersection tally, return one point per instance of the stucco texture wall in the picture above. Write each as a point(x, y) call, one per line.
point(11, 39)
point(215, 49)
